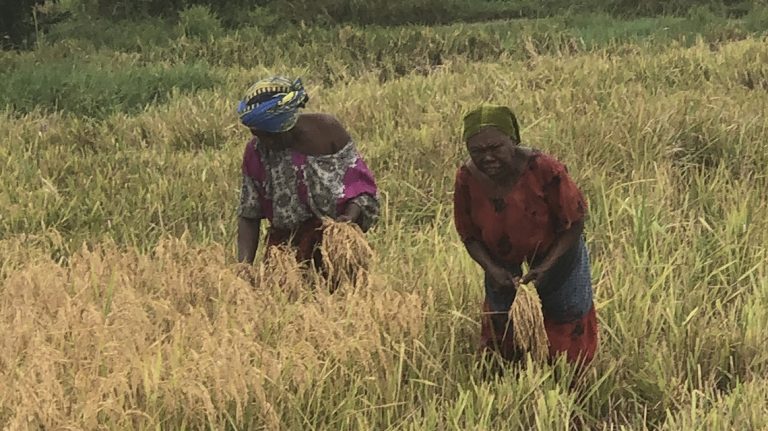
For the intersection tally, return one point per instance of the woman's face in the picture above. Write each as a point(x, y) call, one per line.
point(492, 151)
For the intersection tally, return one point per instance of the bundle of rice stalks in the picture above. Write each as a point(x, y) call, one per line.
point(280, 268)
point(347, 256)
point(530, 336)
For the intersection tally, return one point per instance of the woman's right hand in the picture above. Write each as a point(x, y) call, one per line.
point(502, 277)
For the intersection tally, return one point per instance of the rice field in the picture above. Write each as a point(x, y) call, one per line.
point(122, 307)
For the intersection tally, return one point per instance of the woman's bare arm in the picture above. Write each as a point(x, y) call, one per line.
point(247, 239)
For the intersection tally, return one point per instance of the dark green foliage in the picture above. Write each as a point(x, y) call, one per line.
point(124, 35)
point(131, 8)
point(16, 20)
point(757, 19)
point(200, 22)
point(204, 18)
point(384, 12)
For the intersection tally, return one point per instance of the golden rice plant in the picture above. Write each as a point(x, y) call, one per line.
point(528, 322)
point(114, 339)
point(146, 334)
point(280, 268)
point(347, 256)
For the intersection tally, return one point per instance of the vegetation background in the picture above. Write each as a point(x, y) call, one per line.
point(120, 154)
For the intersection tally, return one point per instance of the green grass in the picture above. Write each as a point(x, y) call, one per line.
point(95, 88)
point(95, 67)
point(665, 131)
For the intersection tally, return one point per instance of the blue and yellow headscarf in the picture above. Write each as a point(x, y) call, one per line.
point(272, 104)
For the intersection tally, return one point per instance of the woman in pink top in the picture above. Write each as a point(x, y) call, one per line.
point(298, 169)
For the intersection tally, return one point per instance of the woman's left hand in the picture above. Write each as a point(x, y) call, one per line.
point(350, 215)
point(532, 275)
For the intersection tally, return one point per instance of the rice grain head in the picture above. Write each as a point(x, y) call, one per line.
point(280, 268)
point(347, 256)
point(530, 336)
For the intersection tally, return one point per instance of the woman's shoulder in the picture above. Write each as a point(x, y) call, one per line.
point(546, 164)
point(320, 119)
point(468, 175)
point(465, 169)
point(327, 134)
point(252, 147)
point(320, 122)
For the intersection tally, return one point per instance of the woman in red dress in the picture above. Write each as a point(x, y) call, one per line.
point(515, 205)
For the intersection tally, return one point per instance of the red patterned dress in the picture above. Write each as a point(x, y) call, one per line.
point(521, 227)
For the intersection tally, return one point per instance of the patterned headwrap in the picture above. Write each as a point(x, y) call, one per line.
point(497, 116)
point(272, 104)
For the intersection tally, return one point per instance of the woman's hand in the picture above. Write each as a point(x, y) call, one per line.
point(502, 277)
point(532, 275)
point(351, 214)
point(499, 276)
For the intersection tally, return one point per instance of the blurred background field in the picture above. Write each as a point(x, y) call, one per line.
point(120, 153)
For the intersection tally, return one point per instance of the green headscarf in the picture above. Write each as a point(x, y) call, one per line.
point(497, 116)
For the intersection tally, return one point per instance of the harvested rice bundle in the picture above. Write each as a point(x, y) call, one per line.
point(530, 336)
point(347, 256)
point(280, 268)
